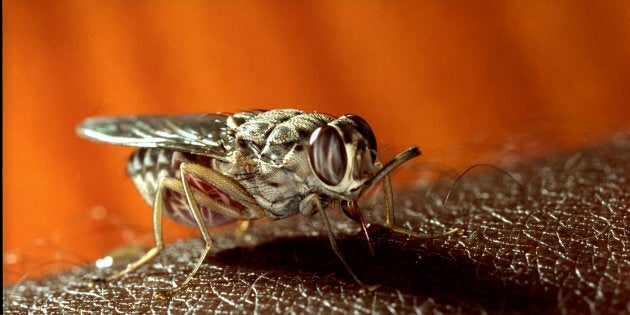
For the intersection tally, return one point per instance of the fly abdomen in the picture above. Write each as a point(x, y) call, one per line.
point(147, 167)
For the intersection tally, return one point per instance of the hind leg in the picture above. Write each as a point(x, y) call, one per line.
point(158, 205)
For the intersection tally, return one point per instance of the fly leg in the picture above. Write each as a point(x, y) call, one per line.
point(391, 224)
point(333, 244)
point(167, 182)
point(243, 228)
point(228, 185)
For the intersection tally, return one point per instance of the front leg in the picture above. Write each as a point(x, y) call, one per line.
point(311, 205)
point(391, 224)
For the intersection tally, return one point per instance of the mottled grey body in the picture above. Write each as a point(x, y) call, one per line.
point(265, 152)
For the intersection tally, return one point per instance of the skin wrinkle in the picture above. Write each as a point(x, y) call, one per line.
point(558, 245)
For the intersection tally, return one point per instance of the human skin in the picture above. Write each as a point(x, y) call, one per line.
point(549, 237)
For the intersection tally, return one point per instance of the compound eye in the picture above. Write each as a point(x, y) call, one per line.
point(364, 129)
point(327, 155)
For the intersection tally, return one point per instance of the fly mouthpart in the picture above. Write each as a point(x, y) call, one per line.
point(351, 209)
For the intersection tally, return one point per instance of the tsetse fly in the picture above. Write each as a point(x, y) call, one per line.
point(208, 170)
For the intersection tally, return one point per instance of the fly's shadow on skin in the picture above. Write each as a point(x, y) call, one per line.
point(409, 267)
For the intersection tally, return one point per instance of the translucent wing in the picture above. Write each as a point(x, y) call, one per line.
point(203, 134)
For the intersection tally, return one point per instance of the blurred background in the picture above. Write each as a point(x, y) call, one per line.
point(462, 80)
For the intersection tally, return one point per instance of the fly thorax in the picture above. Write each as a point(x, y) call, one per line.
point(342, 154)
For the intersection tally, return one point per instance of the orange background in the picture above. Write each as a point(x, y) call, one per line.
point(437, 74)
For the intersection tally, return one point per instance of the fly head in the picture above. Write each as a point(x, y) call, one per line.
point(342, 155)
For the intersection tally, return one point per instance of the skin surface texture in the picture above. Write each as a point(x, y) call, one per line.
point(550, 238)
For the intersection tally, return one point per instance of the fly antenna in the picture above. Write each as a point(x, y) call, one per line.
point(448, 194)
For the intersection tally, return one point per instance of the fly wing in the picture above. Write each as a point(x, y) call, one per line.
point(203, 134)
